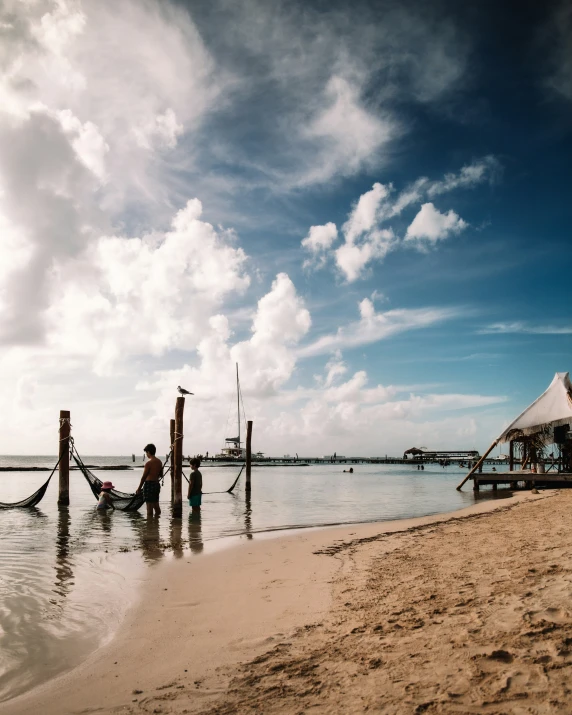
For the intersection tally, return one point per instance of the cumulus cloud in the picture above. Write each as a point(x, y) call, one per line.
point(352, 258)
point(430, 225)
point(374, 326)
point(366, 240)
point(145, 295)
point(364, 215)
point(317, 243)
point(91, 93)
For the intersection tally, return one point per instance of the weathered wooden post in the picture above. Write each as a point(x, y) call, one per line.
point(511, 456)
point(248, 453)
point(64, 455)
point(477, 465)
point(172, 465)
point(178, 459)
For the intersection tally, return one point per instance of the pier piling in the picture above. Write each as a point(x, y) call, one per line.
point(248, 453)
point(172, 465)
point(178, 459)
point(64, 455)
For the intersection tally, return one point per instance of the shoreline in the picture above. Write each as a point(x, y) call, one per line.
point(220, 609)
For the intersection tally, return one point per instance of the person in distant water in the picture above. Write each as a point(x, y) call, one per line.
point(105, 502)
point(150, 481)
point(195, 486)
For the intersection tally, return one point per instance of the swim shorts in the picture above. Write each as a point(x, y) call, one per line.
point(196, 500)
point(151, 491)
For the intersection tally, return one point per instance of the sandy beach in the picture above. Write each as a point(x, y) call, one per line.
point(462, 613)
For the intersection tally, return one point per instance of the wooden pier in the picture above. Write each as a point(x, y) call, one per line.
point(519, 479)
point(277, 461)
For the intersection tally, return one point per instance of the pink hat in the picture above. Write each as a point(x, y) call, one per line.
point(107, 485)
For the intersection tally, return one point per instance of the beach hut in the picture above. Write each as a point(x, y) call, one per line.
point(414, 451)
point(546, 421)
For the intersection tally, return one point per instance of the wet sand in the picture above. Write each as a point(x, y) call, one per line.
point(469, 612)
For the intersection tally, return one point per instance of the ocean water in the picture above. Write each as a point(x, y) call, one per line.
point(67, 575)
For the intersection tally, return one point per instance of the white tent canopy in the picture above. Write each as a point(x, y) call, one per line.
point(551, 409)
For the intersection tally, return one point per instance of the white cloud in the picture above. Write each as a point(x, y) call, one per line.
point(335, 367)
point(350, 135)
point(144, 295)
point(366, 241)
point(431, 225)
point(161, 130)
point(364, 215)
point(87, 142)
point(526, 328)
point(352, 258)
point(469, 176)
point(317, 243)
point(374, 326)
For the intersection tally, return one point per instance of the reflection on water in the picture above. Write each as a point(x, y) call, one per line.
point(195, 532)
point(60, 567)
point(176, 537)
point(63, 565)
point(248, 514)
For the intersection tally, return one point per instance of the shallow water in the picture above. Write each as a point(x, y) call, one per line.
point(67, 575)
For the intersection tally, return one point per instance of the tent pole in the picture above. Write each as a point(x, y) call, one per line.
point(478, 464)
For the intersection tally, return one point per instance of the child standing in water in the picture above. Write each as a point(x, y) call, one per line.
point(105, 501)
point(195, 486)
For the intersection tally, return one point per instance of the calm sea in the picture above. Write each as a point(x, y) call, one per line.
point(68, 575)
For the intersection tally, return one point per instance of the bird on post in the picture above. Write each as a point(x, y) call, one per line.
point(183, 392)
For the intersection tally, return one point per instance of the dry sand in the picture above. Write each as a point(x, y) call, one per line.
point(470, 613)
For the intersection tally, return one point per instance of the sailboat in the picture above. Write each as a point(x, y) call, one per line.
point(233, 448)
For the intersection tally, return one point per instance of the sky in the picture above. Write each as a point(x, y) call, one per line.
point(365, 205)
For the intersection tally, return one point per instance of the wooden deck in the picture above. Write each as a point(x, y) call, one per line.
point(527, 479)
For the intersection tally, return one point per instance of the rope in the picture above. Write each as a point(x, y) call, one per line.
point(226, 491)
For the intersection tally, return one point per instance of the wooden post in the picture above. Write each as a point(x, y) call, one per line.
point(171, 465)
point(248, 453)
point(478, 464)
point(178, 459)
point(511, 456)
point(64, 455)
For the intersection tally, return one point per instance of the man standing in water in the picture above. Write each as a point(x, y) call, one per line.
point(150, 481)
point(195, 487)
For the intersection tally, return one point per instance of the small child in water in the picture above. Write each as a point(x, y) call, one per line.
point(105, 502)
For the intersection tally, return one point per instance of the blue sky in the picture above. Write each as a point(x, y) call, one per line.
point(366, 205)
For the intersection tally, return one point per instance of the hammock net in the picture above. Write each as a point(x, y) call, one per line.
point(36, 498)
point(121, 500)
point(33, 500)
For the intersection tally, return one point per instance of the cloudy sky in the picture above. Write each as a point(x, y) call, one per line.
point(366, 205)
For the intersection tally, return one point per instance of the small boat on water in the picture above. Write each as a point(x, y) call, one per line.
point(233, 449)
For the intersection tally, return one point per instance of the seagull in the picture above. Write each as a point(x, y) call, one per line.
point(182, 391)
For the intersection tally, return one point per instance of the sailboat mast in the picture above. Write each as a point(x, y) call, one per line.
point(238, 403)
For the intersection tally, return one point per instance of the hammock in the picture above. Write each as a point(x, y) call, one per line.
point(226, 491)
point(36, 497)
point(121, 500)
